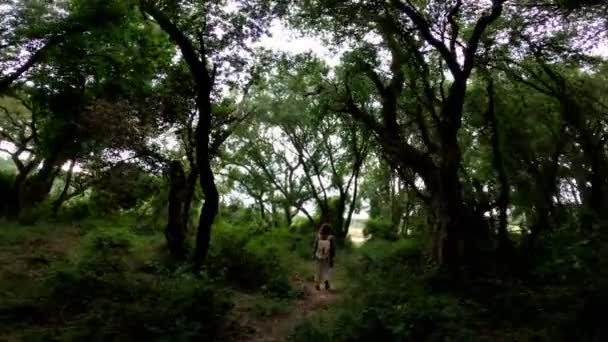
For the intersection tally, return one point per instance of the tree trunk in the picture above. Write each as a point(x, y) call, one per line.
point(459, 228)
point(353, 203)
point(260, 203)
point(189, 195)
point(336, 219)
point(598, 186)
point(64, 193)
point(208, 214)
point(197, 63)
point(593, 152)
point(504, 198)
point(207, 180)
point(36, 188)
point(175, 232)
point(288, 216)
point(13, 206)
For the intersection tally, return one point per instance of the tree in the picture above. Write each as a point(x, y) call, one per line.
point(85, 100)
point(266, 172)
point(407, 32)
point(318, 147)
point(204, 34)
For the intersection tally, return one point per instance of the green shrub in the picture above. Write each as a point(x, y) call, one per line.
point(237, 215)
point(302, 226)
point(118, 307)
point(29, 216)
point(380, 229)
point(390, 258)
point(247, 261)
point(107, 251)
point(100, 297)
point(389, 300)
point(76, 209)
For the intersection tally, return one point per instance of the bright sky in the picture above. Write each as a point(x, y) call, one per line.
point(285, 40)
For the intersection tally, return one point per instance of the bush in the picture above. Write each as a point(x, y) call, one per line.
point(249, 262)
point(379, 229)
point(389, 300)
point(101, 298)
point(30, 216)
point(118, 307)
point(302, 226)
point(76, 209)
point(236, 215)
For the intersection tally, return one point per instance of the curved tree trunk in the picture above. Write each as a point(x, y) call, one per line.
point(64, 193)
point(208, 214)
point(196, 59)
point(207, 180)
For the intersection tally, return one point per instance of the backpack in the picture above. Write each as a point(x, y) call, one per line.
point(323, 249)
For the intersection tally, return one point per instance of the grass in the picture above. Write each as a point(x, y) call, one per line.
point(108, 280)
point(77, 277)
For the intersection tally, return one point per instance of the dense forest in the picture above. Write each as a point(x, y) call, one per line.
point(164, 172)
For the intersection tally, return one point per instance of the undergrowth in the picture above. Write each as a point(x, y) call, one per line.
point(394, 295)
point(105, 279)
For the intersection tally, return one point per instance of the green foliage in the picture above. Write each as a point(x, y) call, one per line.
point(302, 226)
point(460, 106)
point(76, 209)
point(103, 298)
point(380, 229)
point(183, 307)
point(7, 167)
point(238, 215)
point(255, 260)
point(389, 300)
point(124, 187)
point(31, 215)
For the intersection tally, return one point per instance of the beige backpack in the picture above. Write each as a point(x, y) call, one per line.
point(323, 249)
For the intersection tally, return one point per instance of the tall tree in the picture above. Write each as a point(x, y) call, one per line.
point(85, 99)
point(207, 34)
point(407, 31)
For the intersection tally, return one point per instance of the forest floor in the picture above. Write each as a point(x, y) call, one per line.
point(29, 256)
point(277, 328)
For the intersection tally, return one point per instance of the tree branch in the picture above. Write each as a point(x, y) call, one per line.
point(480, 27)
point(196, 65)
point(424, 28)
point(454, 25)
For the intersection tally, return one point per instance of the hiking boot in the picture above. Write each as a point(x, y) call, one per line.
point(327, 285)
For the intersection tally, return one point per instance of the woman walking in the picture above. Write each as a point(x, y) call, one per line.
point(323, 254)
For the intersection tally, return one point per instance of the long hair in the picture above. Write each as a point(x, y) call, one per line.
point(325, 229)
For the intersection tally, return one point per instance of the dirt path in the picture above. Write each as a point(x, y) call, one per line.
point(277, 328)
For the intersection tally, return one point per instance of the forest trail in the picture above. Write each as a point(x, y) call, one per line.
point(277, 328)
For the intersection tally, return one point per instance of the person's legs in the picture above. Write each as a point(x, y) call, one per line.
point(318, 274)
point(325, 272)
